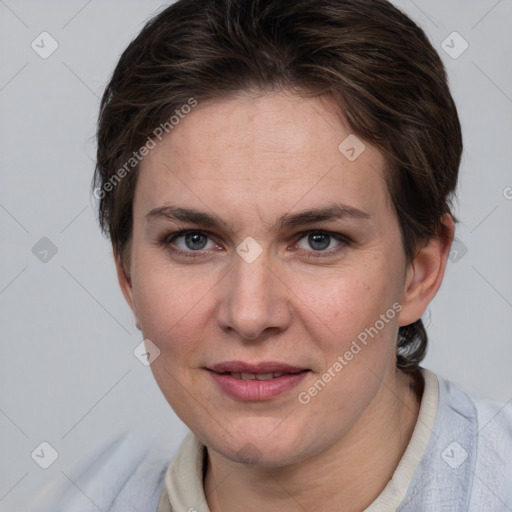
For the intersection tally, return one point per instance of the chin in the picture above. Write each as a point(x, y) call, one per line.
point(262, 450)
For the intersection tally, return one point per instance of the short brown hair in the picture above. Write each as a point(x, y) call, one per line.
point(387, 78)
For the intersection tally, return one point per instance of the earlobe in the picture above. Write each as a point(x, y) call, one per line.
point(125, 284)
point(425, 274)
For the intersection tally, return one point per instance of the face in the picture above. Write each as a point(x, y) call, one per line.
point(257, 280)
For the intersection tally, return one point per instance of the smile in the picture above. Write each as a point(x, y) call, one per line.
point(256, 386)
point(256, 376)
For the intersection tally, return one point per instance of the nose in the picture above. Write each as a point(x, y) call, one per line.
point(254, 300)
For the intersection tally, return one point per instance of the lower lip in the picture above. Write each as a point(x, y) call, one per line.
point(254, 389)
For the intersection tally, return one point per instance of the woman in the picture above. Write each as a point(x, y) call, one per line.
point(271, 178)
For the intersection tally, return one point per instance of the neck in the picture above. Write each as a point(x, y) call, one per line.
point(353, 471)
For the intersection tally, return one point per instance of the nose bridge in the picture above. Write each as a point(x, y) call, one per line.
point(253, 298)
point(251, 283)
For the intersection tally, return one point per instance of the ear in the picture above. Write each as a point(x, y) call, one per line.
point(125, 283)
point(425, 274)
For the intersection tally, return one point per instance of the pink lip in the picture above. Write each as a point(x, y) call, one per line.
point(254, 390)
point(263, 367)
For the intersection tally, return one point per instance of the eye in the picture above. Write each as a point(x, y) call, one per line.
point(320, 241)
point(192, 241)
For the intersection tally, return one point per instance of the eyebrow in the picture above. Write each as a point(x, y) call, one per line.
point(289, 220)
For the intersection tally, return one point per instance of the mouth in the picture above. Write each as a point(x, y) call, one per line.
point(260, 371)
point(263, 381)
point(258, 376)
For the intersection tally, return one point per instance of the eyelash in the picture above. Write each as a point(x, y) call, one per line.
point(167, 240)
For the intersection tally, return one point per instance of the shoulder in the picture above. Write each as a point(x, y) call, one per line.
point(493, 419)
point(482, 437)
point(492, 481)
point(124, 474)
point(467, 462)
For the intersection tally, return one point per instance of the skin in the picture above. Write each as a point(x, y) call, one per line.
point(250, 159)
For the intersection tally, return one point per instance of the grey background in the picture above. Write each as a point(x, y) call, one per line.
point(68, 375)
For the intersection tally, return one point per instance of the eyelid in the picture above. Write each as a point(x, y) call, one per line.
point(343, 240)
point(169, 238)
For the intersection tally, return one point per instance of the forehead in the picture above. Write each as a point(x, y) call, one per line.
point(265, 150)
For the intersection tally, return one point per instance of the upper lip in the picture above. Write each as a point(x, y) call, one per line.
point(263, 367)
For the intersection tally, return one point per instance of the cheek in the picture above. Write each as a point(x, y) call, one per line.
point(170, 306)
point(172, 316)
point(344, 303)
point(361, 311)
